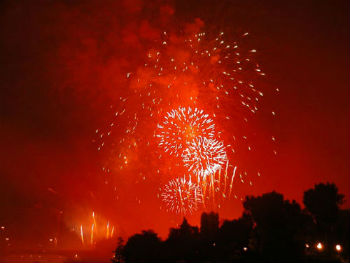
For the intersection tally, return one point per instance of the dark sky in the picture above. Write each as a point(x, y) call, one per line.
point(63, 63)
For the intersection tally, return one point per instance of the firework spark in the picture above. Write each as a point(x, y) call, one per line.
point(181, 126)
point(162, 108)
point(91, 231)
point(82, 234)
point(204, 156)
point(181, 196)
point(195, 71)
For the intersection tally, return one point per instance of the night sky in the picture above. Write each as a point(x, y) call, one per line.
point(63, 64)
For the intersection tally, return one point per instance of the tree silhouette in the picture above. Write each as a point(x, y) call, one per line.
point(182, 243)
point(234, 235)
point(323, 202)
point(271, 229)
point(277, 225)
point(119, 251)
point(209, 231)
point(144, 247)
point(209, 226)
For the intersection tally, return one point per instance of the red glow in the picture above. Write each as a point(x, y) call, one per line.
point(76, 137)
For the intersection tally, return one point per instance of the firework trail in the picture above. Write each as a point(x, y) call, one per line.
point(94, 219)
point(82, 234)
point(217, 187)
point(181, 196)
point(93, 232)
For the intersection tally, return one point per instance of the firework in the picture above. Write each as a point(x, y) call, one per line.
point(196, 71)
point(93, 218)
point(181, 196)
point(107, 231)
point(161, 107)
point(204, 156)
point(217, 187)
point(82, 234)
point(181, 126)
point(94, 230)
point(92, 234)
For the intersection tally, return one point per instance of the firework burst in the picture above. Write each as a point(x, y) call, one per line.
point(161, 108)
point(181, 196)
point(196, 71)
point(181, 126)
point(204, 156)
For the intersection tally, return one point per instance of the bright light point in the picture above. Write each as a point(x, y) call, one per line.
point(319, 246)
point(245, 249)
point(338, 248)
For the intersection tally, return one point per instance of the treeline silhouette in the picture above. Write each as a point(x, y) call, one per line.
point(271, 229)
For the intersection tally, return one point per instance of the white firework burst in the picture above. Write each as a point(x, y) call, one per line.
point(204, 156)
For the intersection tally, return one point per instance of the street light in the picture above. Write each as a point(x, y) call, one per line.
point(338, 248)
point(319, 246)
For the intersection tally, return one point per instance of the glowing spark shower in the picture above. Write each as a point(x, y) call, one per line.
point(95, 229)
point(204, 156)
point(181, 196)
point(181, 126)
point(187, 110)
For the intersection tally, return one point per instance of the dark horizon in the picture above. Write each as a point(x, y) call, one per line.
point(270, 228)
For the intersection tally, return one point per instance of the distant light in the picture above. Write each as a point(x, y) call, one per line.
point(338, 248)
point(307, 245)
point(319, 246)
point(245, 248)
point(2, 227)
